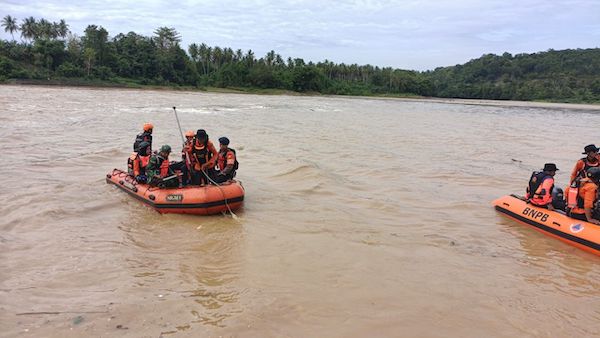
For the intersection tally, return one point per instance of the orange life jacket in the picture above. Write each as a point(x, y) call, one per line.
point(586, 165)
point(536, 194)
point(145, 160)
point(222, 161)
point(164, 168)
point(201, 153)
point(136, 164)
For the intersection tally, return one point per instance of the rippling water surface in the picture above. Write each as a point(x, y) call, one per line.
point(362, 218)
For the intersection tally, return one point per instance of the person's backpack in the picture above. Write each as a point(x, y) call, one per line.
point(236, 165)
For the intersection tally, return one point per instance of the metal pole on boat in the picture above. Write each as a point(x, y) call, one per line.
point(179, 125)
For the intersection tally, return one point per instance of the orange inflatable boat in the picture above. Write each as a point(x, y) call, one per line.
point(578, 233)
point(204, 200)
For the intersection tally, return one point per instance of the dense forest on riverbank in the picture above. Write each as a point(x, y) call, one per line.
point(49, 52)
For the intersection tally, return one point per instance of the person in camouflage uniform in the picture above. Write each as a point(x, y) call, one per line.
point(158, 169)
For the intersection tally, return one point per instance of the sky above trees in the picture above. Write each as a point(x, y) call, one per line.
point(409, 34)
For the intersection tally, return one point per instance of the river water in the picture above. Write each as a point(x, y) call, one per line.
point(363, 218)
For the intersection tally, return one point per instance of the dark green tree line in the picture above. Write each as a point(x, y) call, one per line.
point(48, 50)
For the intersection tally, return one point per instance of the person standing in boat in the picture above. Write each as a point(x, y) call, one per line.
point(138, 161)
point(587, 197)
point(203, 155)
point(144, 136)
point(539, 191)
point(590, 161)
point(158, 171)
point(226, 162)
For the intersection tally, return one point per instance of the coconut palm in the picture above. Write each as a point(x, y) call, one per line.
point(10, 25)
point(45, 29)
point(29, 28)
point(63, 29)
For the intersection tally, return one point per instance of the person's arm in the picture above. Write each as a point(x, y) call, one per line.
point(578, 166)
point(213, 159)
point(546, 192)
point(229, 162)
point(588, 204)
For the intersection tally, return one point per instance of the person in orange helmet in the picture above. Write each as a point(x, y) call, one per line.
point(144, 136)
point(185, 166)
point(590, 161)
point(187, 145)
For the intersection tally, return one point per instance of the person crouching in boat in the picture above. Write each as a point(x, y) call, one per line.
point(590, 161)
point(587, 197)
point(144, 136)
point(158, 171)
point(138, 161)
point(539, 191)
point(203, 156)
point(226, 162)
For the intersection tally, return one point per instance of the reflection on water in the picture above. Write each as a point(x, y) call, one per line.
point(362, 217)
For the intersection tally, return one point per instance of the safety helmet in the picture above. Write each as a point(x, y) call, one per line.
point(165, 148)
point(143, 145)
point(594, 173)
point(148, 126)
point(189, 133)
point(224, 140)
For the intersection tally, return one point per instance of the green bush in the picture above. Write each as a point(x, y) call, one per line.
point(68, 69)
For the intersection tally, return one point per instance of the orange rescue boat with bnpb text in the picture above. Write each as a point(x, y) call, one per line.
point(197, 200)
point(581, 234)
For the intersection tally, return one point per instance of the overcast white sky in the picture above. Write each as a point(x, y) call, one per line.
point(409, 34)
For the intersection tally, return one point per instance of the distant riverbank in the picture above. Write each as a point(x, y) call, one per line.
point(259, 91)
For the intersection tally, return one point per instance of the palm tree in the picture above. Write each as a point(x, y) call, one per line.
point(202, 57)
point(10, 25)
point(28, 28)
point(270, 58)
point(193, 50)
point(63, 29)
point(46, 29)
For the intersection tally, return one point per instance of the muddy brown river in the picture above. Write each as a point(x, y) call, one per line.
point(362, 218)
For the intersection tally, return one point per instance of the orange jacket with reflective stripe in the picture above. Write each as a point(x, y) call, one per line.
point(543, 194)
point(226, 159)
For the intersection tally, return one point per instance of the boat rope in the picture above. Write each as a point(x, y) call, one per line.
point(222, 192)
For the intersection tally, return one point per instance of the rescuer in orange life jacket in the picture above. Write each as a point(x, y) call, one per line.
point(137, 162)
point(226, 162)
point(158, 171)
point(590, 161)
point(203, 156)
point(186, 152)
point(144, 136)
point(539, 191)
point(586, 197)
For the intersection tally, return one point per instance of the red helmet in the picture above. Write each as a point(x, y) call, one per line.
point(148, 126)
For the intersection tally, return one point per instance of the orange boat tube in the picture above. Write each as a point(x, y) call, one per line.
point(581, 234)
point(197, 200)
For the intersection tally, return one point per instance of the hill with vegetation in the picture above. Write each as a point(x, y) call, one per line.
point(49, 53)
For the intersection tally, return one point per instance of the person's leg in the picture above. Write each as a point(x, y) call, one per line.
point(580, 217)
